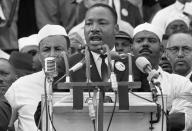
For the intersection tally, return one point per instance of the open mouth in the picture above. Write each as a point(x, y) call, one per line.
point(95, 40)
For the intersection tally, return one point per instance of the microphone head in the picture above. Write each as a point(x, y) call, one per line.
point(142, 63)
point(50, 67)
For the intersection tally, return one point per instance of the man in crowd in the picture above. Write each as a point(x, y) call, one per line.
point(25, 93)
point(162, 16)
point(29, 45)
point(179, 54)
point(123, 42)
point(7, 75)
point(175, 24)
point(147, 40)
point(5, 113)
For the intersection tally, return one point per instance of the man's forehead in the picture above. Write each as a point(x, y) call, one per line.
point(102, 11)
point(177, 22)
point(180, 39)
point(57, 39)
point(145, 34)
point(5, 64)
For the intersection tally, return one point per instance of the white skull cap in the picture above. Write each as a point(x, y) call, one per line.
point(148, 27)
point(27, 41)
point(50, 30)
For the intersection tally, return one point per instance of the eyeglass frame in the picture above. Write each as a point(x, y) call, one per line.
point(175, 49)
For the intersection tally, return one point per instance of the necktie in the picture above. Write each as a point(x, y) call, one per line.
point(104, 69)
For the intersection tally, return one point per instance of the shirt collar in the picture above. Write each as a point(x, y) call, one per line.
point(179, 5)
point(189, 75)
point(96, 56)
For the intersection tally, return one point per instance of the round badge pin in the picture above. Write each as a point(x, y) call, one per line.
point(124, 12)
point(119, 66)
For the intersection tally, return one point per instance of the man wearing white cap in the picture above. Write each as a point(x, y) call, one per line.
point(177, 23)
point(147, 42)
point(25, 93)
point(30, 45)
point(163, 15)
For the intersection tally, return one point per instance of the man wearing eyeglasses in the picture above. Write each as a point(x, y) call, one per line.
point(179, 54)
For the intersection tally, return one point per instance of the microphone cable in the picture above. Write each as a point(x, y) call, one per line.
point(113, 111)
point(163, 108)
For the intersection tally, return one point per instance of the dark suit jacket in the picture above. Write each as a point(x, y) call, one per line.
point(80, 75)
point(5, 114)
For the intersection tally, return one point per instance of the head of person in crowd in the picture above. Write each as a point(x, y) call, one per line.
point(29, 45)
point(179, 53)
point(177, 23)
point(164, 62)
point(184, 1)
point(89, 3)
point(7, 75)
point(22, 62)
point(100, 27)
point(147, 40)
point(123, 42)
point(76, 42)
point(53, 40)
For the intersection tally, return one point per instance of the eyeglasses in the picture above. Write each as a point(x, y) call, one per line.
point(175, 49)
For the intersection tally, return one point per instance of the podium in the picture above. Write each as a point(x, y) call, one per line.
point(137, 118)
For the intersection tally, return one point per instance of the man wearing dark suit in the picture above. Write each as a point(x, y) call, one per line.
point(5, 114)
point(100, 28)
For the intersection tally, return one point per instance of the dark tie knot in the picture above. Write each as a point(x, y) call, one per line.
point(103, 57)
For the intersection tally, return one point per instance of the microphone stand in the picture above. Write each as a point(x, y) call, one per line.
point(49, 102)
point(49, 75)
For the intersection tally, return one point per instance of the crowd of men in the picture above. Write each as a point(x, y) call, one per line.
point(166, 43)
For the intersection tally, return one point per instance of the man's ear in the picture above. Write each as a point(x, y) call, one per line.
point(162, 49)
point(116, 29)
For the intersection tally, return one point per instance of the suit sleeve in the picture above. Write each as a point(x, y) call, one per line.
point(5, 114)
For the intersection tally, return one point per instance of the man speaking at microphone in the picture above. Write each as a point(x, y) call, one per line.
point(100, 29)
point(25, 94)
point(147, 40)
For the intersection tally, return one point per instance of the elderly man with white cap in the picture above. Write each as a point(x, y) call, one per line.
point(147, 42)
point(25, 93)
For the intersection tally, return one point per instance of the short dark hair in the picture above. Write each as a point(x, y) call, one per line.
point(112, 10)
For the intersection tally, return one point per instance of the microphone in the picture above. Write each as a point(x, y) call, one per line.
point(50, 67)
point(116, 56)
point(76, 62)
point(145, 66)
point(66, 66)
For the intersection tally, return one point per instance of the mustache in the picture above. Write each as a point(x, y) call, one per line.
point(145, 50)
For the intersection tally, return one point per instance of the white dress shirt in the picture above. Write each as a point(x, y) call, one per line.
point(179, 95)
point(24, 96)
point(98, 61)
point(161, 17)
